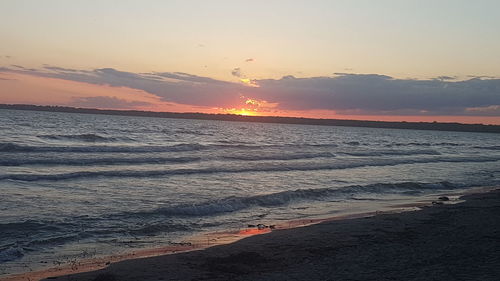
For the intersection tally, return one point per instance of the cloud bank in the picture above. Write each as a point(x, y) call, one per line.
point(353, 94)
point(383, 95)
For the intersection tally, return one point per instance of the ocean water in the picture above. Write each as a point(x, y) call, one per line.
point(76, 183)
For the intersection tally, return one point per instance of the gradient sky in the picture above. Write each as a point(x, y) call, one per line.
point(382, 60)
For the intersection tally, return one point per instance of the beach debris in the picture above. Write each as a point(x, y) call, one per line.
point(261, 226)
point(441, 200)
point(182, 243)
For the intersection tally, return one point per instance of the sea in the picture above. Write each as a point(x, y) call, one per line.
point(82, 183)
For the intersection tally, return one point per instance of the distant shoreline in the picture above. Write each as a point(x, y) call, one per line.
point(432, 126)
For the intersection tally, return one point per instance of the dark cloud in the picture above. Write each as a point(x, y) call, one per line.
point(445, 78)
point(56, 68)
point(483, 76)
point(236, 72)
point(24, 68)
point(106, 102)
point(181, 76)
point(380, 94)
point(346, 93)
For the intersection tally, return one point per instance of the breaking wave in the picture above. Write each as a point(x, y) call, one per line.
point(232, 204)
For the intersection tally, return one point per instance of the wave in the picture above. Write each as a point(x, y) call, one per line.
point(18, 161)
point(392, 152)
point(84, 138)
point(55, 232)
point(10, 254)
point(23, 236)
point(95, 161)
point(12, 147)
point(34, 235)
point(232, 204)
point(154, 228)
point(187, 132)
point(493, 147)
point(53, 240)
point(257, 168)
point(31, 228)
point(425, 144)
point(280, 156)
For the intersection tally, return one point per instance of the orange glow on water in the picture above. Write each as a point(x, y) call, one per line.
point(253, 231)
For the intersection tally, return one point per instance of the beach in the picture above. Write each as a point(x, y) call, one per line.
point(438, 242)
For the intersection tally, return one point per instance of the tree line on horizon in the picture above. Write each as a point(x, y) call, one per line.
point(435, 126)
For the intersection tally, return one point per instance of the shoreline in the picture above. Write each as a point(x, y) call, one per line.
point(197, 242)
point(207, 241)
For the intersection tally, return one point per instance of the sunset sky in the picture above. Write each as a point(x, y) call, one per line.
point(377, 60)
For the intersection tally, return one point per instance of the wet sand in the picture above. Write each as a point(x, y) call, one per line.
point(441, 242)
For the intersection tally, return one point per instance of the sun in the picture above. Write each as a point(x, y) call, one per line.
point(250, 107)
point(242, 111)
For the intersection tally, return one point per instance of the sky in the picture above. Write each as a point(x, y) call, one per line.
point(376, 60)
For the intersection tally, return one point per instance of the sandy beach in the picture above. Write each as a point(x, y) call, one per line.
point(440, 242)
